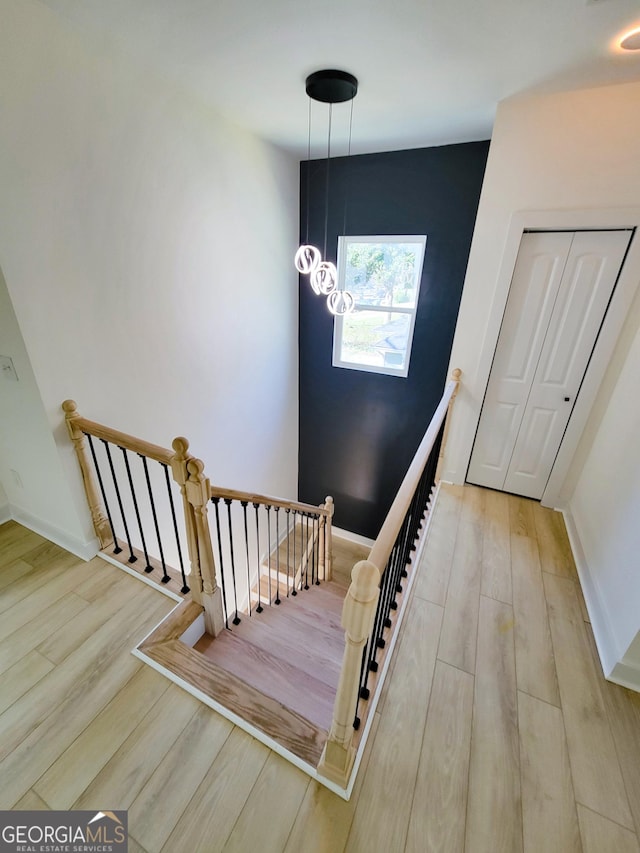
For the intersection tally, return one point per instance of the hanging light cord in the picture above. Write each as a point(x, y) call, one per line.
point(346, 194)
point(308, 166)
point(326, 201)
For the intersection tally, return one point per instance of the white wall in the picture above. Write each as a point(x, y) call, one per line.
point(35, 491)
point(568, 151)
point(605, 508)
point(147, 245)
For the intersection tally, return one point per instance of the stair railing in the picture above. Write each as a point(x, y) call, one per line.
point(129, 485)
point(371, 607)
point(267, 549)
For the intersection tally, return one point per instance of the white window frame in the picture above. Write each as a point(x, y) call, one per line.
point(343, 243)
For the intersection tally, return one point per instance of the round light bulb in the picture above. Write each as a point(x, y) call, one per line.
point(324, 278)
point(341, 302)
point(307, 259)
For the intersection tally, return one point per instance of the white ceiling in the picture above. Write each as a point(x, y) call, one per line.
point(430, 71)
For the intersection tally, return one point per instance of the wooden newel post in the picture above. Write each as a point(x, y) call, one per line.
point(328, 548)
point(99, 519)
point(455, 377)
point(180, 474)
point(325, 552)
point(358, 613)
point(198, 489)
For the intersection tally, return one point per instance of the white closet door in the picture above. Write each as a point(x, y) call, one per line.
point(556, 356)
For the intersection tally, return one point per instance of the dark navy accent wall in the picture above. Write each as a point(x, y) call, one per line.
point(359, 431)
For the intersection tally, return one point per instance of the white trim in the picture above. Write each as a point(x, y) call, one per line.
point(627, 675)
point(611, 655)
point(238, 721)
point(351, 537)
point(141, 577)
point(193, 632)
point(560, 220)
point(84, 550)
point(5, 513)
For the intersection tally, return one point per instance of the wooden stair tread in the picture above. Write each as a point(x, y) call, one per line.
point(297, 734)
point(326, 596)
point(292, 687)
point(307, 609)
point(310, 656)
point(345, 555)
point(297, 632)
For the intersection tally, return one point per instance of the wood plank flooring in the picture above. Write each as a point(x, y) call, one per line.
point(497, 730)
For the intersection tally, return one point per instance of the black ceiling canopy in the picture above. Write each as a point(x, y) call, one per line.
point(331, 86)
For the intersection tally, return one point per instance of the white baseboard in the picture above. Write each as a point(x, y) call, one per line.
point(614, 667)
point(627, 675)
point(352, 537)
point(83, 550)
point(5, 513)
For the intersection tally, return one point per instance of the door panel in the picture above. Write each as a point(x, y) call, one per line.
point(560, 290)
point(536, 279)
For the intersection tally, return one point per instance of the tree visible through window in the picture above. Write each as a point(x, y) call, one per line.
point(383, 274)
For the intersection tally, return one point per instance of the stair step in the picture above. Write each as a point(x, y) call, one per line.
point(327, 596)
point(309, 656)
point(345, 555)
point(296, 733)
point(297, 631)
point(292, 687)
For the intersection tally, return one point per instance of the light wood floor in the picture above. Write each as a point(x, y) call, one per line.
point(496, 731)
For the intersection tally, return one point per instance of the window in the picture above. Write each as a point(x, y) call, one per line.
point(383, 274)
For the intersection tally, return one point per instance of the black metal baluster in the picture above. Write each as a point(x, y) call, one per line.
point(116, 549)
point(236, 619)
point(185, 588)
point(165, 576)
point(363, 690)
point(277, 511)
point(259, 608)
point(294, 591)
point(404, 544)
point(288, 512)
point(215, 502)
point(387, 598)
point(269, 552)
point(244, 505)
point(373, 647)
point(148, 567)
point(132, 558)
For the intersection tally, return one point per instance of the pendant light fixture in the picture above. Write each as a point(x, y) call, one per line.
point(329, 87)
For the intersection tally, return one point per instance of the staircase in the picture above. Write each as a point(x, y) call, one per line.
point(294, 648)
point(291, 651)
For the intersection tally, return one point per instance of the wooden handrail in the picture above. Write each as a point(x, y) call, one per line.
point(233, 494)
point(359, 610)
point(188, 473)
point(385, 540)
point(121, 439)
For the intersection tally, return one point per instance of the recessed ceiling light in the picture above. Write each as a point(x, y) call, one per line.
point(631, 41)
